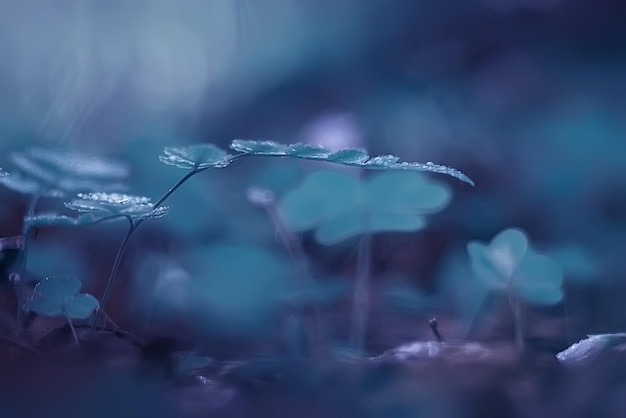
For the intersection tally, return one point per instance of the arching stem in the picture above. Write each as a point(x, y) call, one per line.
point(116, 264)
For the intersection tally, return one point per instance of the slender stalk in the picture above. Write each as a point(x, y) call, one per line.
point(176, 186)
point(298, 259)
point(519, 324)
point(74, 334)
point(21, 271)
point(112, 275)
point(361, 295)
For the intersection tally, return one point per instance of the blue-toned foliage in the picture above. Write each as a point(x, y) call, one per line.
point(59, 296)
point(115, 204)
point(196, 157)
point(53, 172)
point(339, 206)
point(508, 263)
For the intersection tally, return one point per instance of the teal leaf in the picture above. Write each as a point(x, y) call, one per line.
point(538, 279)
point(116, 204)
point(508, 262)
point(317, 294)
point(339, 206)
point(81, 306)
point(58, 295)
point(51, 172)
point(196, 157)
point(58, 288)
point(349, 157)
point(496, 262)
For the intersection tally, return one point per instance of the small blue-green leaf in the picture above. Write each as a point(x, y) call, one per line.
point(538, 279)
point(496, 263)
point(58, 288)
point(196, 157)
point(107, 204)
point(323, 196)
point(395, 222)
point(340, 228)
point(507, 249)
point(407, 190)
point(81, 306)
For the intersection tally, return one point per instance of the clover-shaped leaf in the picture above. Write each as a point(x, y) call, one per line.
point(348, 156)
point(112, 204)
point(338, 205)
point(51, 172)
point(509, 263)
point(58, 296)
point(196, 157)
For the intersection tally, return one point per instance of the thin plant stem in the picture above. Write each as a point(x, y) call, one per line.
point(74, 334)
point(298, 259)
point(518, 320)
point(112, 275)
point(360, 305)
point(21, 272)
point(133, 225)
point(176, 186)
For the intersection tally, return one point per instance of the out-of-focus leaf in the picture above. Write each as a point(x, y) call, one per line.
point(339, 206)
point(349, 157)
point(56, 296)
point(508, 262)
point(81, 306)
point(578, 263)
point(108, 204)
point(50, 172)
point(196, 157)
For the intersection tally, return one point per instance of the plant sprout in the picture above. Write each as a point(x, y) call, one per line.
point(135, 209)
point(59, 296)
point(338, 206)
point(508, 264)
point(53, 172)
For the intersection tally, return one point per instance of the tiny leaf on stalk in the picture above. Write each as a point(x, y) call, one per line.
point(56, 296)
point(338, 206)
point(509, 263)
point(196, 157)
point(111, 204)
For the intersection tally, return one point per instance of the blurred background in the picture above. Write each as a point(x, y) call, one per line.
point(527, 97)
